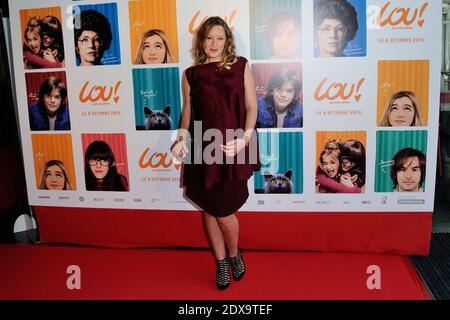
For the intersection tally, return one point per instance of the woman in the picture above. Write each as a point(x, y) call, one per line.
point(219, 90)
point(281, 108)
point(283, 35)
point(402, 110)
point(55, 176)
point(52, 39)
point(100, 170)
point(154, 48)
point(353, 162)
point(93, 37)
point(336, 23)
point(50, 112)
point(34, 55)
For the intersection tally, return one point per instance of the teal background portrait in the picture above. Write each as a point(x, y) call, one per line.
point(260, 13)
point(156, 88)
point(388, 144)
point(279, 152)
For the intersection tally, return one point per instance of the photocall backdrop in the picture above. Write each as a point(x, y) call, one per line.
point(396, 48)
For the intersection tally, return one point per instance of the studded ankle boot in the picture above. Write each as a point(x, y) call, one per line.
point(222, 274)
point(237, 266)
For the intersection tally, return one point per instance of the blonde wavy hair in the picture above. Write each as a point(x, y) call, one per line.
point(168, 57)
point(34, 26)
point(417, 121)
point(229, 51)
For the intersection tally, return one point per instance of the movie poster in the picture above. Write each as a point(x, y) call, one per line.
point(345, 93)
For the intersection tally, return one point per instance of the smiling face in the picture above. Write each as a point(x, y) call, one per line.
point(402, 113)
point(330, 165)
point(34, 41)
point(283, 96)
point(332, 38)
point(88, 48)
point(47, 40)
point(285, 43)
point(408, 177)
point(347, 164)
point(52, 101)
point(54, 178)
point(215, 43)
point(154, 50)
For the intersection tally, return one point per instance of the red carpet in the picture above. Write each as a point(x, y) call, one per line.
point(39, 272)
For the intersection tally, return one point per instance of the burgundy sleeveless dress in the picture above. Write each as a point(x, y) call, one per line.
point(218, 101)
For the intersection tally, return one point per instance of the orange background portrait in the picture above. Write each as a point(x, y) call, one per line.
point(322, 137)
point(53, 147)
point(41, 13)
point(153, 14)
point(395, 76)
point(118, 145)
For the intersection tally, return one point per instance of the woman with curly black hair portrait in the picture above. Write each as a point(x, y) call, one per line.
point(335, 23)
point(93, 37)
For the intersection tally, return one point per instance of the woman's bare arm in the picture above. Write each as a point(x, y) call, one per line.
point(250, 103)
point(179, 148)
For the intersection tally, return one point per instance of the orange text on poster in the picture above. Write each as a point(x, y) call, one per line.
point(401, 16)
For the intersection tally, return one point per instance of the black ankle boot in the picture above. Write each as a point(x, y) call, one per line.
point(237, 266)
point(222, 274)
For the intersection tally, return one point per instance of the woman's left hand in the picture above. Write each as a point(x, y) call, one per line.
point(346, 180)
point(233, 147)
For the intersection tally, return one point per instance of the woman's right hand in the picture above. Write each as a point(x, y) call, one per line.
point(48, 55)
point(179, 150)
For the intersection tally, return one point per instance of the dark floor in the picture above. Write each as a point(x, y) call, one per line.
point(441, 217)
point(434, 268)
point(441, 214)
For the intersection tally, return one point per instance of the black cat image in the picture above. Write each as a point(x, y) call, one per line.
point(157, 120)
point(278, 183)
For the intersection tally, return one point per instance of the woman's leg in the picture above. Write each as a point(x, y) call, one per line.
point(229, 226)
point(230, 230)
point(215, 236)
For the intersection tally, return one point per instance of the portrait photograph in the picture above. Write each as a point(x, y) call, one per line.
point(403, 93)
point(53, 162)
point(339, 28)
point(275, 29)
point(96, 34)
point(401, 161)
point(279, 91)
point(281, 171)
point(105, 162)
point(341, 162)
point(153, 32)
point(42, 42)
point(48, 106)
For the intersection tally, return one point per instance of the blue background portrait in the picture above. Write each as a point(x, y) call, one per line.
point(156, 88)
point(358, 46)
point(109, 10)
point(279, 152)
